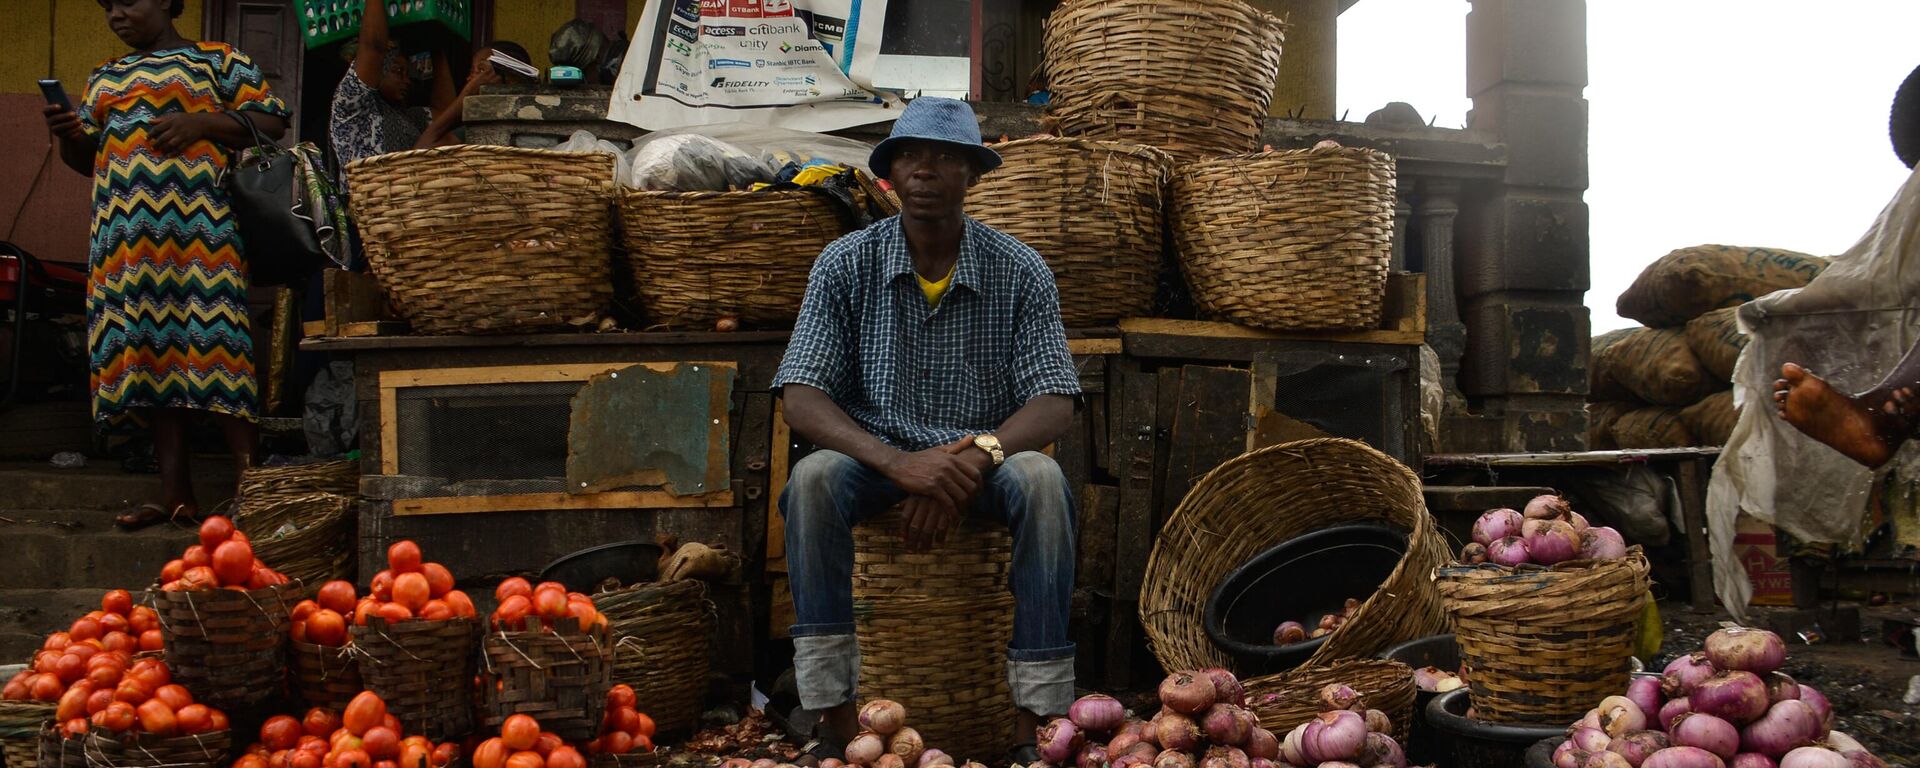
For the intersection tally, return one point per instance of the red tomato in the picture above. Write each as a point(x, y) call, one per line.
point(461, 604)
point(336, 595)
point(436, 610)
point(112, 622)
point(172, 570)
point(153, 640)
point(327, 628)
point(173, 695)
point(144, 618)
point(157, 718)
point(385, 764)
point(520, 732)
point(439, 579)
point(616, 743)
point(99, 700)
point(381, 742)
point(391, 723)
point(393, 612)
point(196, 556)
point(199, 578)
point(512, 586)
point(565, 757)
point(310, 741)
point(120, 641)
point(550, 604)
point(381, 588)
point(73, 703)
point(46, 688)
point(366, 711)
point(320, 723)
point(642, 744)
point(73, 728)
point(251, 761)
point(214, 531)
point(620, 696)
point(546, 744)
point(85, 629)
point(352, 758)
point(404, 557)
point(303, 609)
point(280, 732)
point(304, 758)
point(526, 760)
point(491, 753)
point(233, 563)
point(217, 720)
point(117, 717)
point(626, 719)
point(583, 613)
point(262, 576)
point(363, 610)
point(550, 585)
point(412, 591)
point(414, 755)
point(512, 613)
point(444, 754)
point(104, 675)
point(57, 641)
point(70, 667)
point(132, 690)
point(195, 718)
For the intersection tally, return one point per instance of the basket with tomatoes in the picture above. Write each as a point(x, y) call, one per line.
point(547, 655)
point(522, 743)
point(364, 735)
point(413, 637)
point(96, 649)
point(147, 720)
point(225, 615)
point(320, 657)
point(661, 634)
point(625, 738)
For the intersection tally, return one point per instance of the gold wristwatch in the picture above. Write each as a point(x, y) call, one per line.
point(991, 445)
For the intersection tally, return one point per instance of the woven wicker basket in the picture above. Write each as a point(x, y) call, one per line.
point(1192, 77)
point(20, 726)
point(228, 647)
point(1541, 645)
point(264, 485)
point(309, 537)
point(58, 752)
point(1290, 698)
point(488, 239)
point(933, 629)
point(1263, 498)
point(1093, 209)
point(1293, 240)
point(423, 669)
point(701, 256)
point(662, 636)
point(205, 750)
point(559, 676)
point(324, 676)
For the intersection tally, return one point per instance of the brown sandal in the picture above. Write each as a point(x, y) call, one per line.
point(149, 513)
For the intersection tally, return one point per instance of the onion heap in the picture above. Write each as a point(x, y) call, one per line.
point(1203, 723)
point(1727, 706)
point(1547, 532)
point(1436, 680)
point(885, 741)
point(1344, 734)
point(1290, 632)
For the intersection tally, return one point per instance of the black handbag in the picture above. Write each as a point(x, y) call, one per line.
point(268, 199)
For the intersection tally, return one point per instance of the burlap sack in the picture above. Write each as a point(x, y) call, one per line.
point(1711, 420)
point(1651, 428)
point(1600, 419)
point(1655, 365)
point(1689, 282)
point(1716, 339)
point(1601, 385)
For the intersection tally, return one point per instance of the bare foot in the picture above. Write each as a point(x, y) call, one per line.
point(1851, 425)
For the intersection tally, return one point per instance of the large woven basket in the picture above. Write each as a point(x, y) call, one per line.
point(324, 676)
point(1541, 645)
point(933, 629)
point(424, 671)
point(662, 641)
point(475, 238)
point(701, 256)
point(57, 751)
point(559, 676)
point(1290, 698)
point(1192, 77)
point(260, 486)
point(20, 726)
point(204, 750)
point(1094, 211)
point(309, 538)
point(1288, 240)
point(1260, 499)
point(227, 647)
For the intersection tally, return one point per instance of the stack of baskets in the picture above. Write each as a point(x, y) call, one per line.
point(557, 675)
point(1093, 209)
point(1192, 77)
point(1266, 497)
point(20, 723)
point(700, 256)
point(488, 239)
point(228, 647)
point(933, 629)
point(660, 647)
point(1290, 240)
point(300, 518)
point(424, 671)
point(1541, 645)
point(1290, 698)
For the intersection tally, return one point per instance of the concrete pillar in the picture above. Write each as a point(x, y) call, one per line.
point(1308, 58)
point(1522, 267)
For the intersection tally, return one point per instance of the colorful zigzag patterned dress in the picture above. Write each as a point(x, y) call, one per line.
point(167, 307)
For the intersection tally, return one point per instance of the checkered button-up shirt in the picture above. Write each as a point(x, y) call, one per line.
point(917, 376)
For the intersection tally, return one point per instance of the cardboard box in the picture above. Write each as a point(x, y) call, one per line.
point(1757, 549)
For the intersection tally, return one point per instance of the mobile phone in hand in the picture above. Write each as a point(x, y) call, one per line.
point(55, 94)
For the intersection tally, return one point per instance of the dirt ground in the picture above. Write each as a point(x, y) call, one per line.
point(1865, 679)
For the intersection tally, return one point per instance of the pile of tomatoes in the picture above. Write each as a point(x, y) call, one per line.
point(521, 744)
point(407, 589)
point(115, 632)
point(545, 605)
point(222, 560)
point(139, 699)
point(364, 736)
point(623, 728)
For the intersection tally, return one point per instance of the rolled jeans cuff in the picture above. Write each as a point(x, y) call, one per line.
point(1042, 687)
point(826, 669)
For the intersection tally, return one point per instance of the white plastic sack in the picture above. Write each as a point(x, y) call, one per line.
point(585, 141)
point(1850, 326)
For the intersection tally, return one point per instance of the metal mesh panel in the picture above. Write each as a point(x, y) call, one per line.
point(485, 432)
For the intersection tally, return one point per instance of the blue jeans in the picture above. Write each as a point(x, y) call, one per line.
point(829, 492)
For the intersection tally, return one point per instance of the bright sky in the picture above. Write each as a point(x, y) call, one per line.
point(1744, 122)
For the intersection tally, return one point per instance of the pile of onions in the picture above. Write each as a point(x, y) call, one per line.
point(1344, 734)
point(1203, 723)
point(1548, 532)
point(1728, 706)
point(1290, 632)
point(1436, 680)
point(885, 741)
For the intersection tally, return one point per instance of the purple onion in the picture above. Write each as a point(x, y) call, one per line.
point(1223, 725)
point(1736, 696)
point(1097, 713)
point(1377, 721)
point(1746, 649)
point(1815, 757)
point(933, 757)
point(1261, 743)
point(1146, 752)
point(1335, 697)
point(1554, 542)
point(1333, 736)
point(1225, 757)
point(1814, 698)
point(1644, 692)
point(1569, 756)
point(1578, 521)
point(1589, 739)
point(1059, 741)
point(1188, 693)
point(1618, 715)
point(1601, 543)
point(1751, 760)
point(1706, 732)
point(1092, 756)
point(1289, 632)
point(1380, 749)
point(1496, 524)
point(1683, 673)
point(1128, 761)
point(1173, 758)
point(1786, 725)
point(1509, 551)
point(1780, 687)
point(1261, 762)
point(883, 716)
point(1291, 750)
point(1672, 710)
point(1546, 507)
point(1636, 746)
point(1683, 757)
point(1175, 731)
point(1226, 687)
point(1606, 760)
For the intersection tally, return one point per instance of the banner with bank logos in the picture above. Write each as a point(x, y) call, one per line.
point(801, 64)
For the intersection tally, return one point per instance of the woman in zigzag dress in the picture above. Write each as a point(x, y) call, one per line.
point(167, 323)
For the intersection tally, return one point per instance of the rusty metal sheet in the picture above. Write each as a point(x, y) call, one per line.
point(653, 425)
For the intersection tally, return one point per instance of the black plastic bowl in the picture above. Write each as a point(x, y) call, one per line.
point(1430, 651)
point(1301, 580)
point(1459, 740)
point(631, 562)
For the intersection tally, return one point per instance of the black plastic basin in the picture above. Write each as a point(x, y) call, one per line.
point(1300, 580)
point(1431, 651)
point(1460, 740)
point(631, 562)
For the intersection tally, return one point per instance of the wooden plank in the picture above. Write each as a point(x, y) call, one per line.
point(1209, 426)
point(1163, 337)
point(753, 464)
point(351, 298)
point(370, 328)
point(1133, 460)
point(313, 329)
point(1072, 449)
point(1093, 346)
point(780, 614)
point(1263, 393)
point(1404, 307)
point(1577, 458)
point(389, 429)
point(1690, 479)
point(532, 502)
point(1099, 418)
point(1166, 404)
point(1099, 507)
point(778, 465)
point(521, 374)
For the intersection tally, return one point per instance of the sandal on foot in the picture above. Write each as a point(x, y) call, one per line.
point(149, 513)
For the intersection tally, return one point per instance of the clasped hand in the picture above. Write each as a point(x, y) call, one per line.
point(940, 483)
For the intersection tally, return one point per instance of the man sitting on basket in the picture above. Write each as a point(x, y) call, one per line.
point(930, 366)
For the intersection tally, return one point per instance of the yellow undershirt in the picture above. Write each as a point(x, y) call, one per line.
point(936, 289)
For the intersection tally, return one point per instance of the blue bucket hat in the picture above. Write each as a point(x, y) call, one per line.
point(932, 118)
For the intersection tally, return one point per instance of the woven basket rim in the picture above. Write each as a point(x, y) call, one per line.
point(1493, 572)
point(1082, 142)
point(477, 149)
point(709, 194)
point(1277, 157)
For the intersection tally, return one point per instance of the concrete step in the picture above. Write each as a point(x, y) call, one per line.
point(27, 616)
point(75, 549)
point(102, 484)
